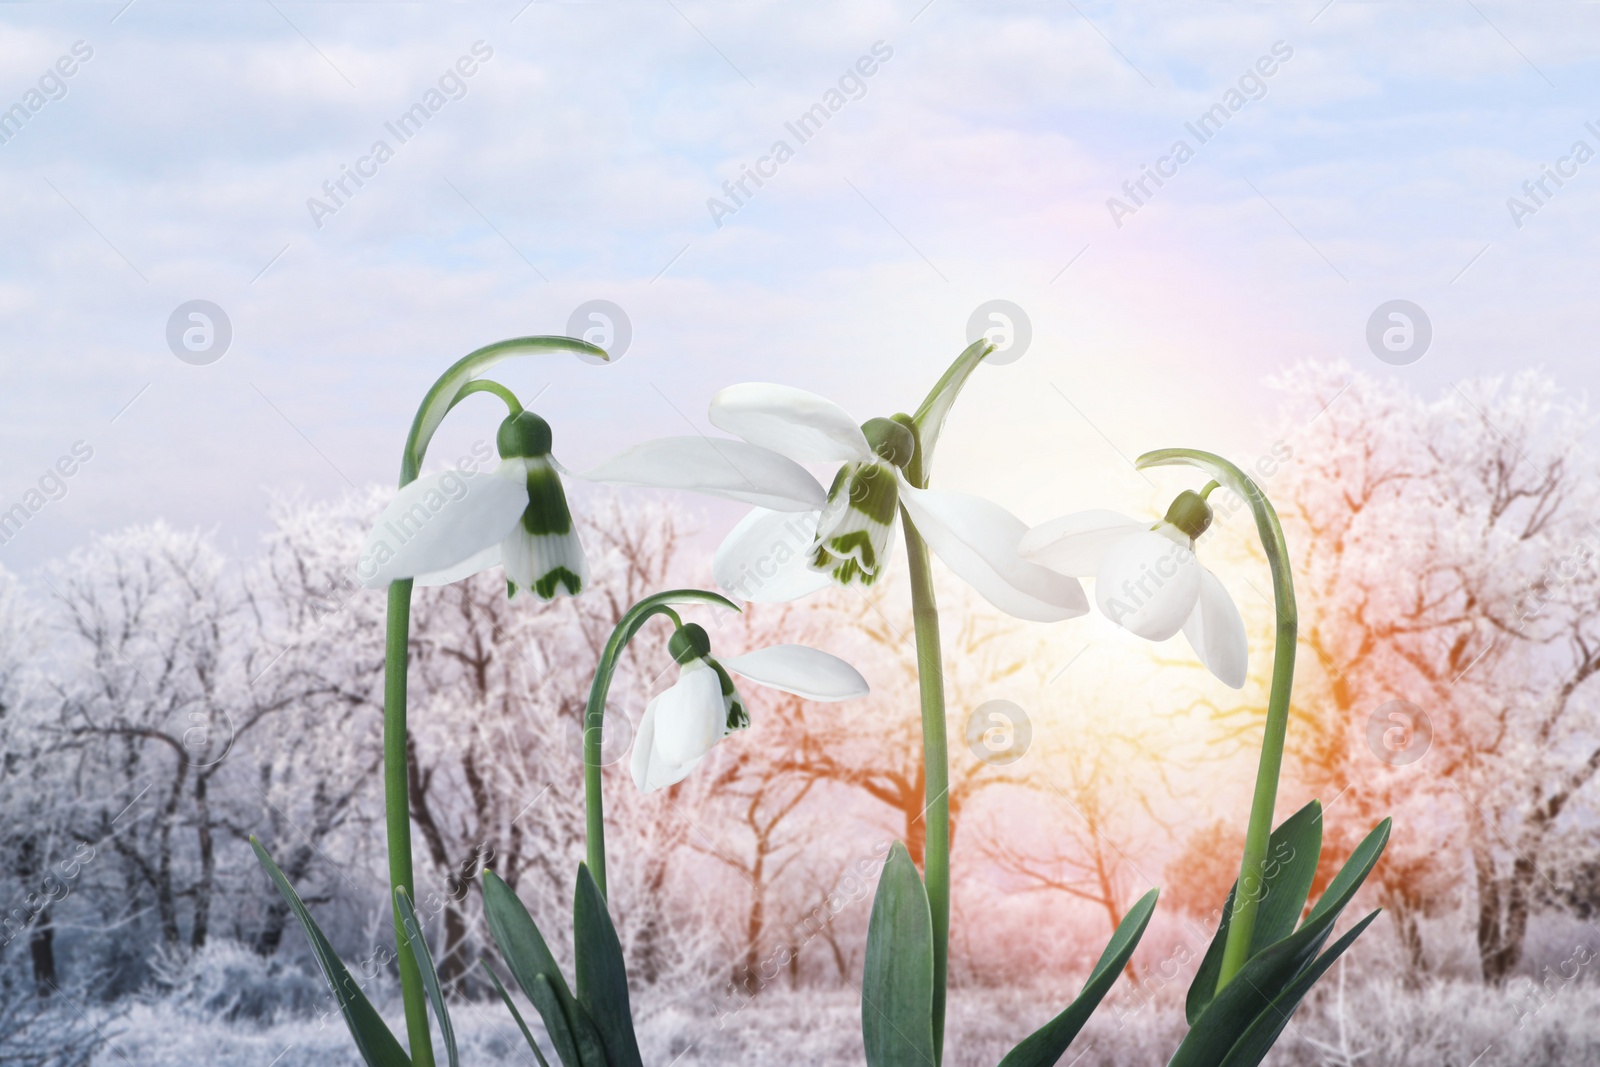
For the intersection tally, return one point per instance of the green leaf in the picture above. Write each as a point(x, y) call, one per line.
point(1353, 873)
point(376, 1044)
point(897, 987)
point(1257, 1041)
point(1292, 854)
point(577, 1038)
point(430, 976)
point(1046, 1045)
point(515, 1014)
point(1235, 1009)
point(602, 974)
point(548, 1004)
point(531, 963)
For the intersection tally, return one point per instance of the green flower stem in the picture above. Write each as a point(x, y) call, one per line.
point(936, 764)
point(484, 385)
point(925, 427)
point(453, 384)
point(397, 814)
point(595, 712)
point(1247, 899)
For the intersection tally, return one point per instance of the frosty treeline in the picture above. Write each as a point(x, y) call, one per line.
point(160, 702)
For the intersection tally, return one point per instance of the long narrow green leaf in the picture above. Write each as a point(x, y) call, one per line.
point(1045, 1046)
point(1236, 1008)
point(376, 1044)
point(515, 1014)
point(602, 974)
point(1292, 854)
point(531, 962)
point(430, 976)
point(577, 1043)
point(1257, 1041)
point(897, 986)
point(1354, 872)
point(518, 938)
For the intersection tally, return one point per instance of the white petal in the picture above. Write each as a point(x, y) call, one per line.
point(1148, 583)
point(801, 670)
point(1216, 632)
point(764, 558)
point(643, 743)
point(439, 521)
point(476, 563)
point(1075, 544)
point(650, 771)
point(978, 540)
point(691, 717)
point(719, 467)
point(801, 425)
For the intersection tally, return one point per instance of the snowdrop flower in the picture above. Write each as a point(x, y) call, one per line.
point(800, 537)
point(684, 723)
point(1148, 580)
point(444, 527)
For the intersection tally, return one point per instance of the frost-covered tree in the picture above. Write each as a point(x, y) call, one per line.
point(159, 646)
point(1447, 560)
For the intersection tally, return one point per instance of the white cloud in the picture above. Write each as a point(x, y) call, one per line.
point(588, 145)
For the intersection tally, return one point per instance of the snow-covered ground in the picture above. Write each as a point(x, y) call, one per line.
point(1382, 1023)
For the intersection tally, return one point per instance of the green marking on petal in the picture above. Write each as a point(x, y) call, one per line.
point(856, 523)
point(738, 718)
point(546, 586)
point(849, 557)
point(547, 511)
point(875, 492)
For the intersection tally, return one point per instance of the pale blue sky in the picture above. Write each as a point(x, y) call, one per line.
point(577, 165)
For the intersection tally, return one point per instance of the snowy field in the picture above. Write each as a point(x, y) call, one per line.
point(1380, 1023)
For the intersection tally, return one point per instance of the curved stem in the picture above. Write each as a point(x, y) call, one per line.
point(484, 385)
point(451, 386)
point(447, 390)
point(1247, 896)
point(595, 711)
